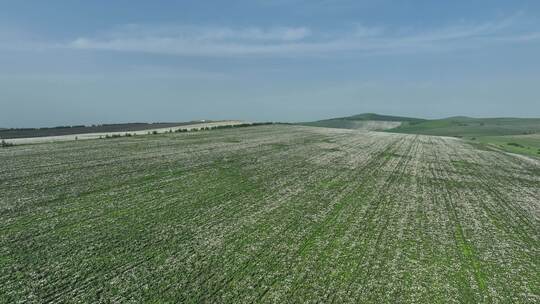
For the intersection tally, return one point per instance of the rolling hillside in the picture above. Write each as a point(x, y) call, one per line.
point(516, 135)
point(461, 126)
point(523, 144)
point(366, 121)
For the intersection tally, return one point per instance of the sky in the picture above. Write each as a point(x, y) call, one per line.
point(88, 62)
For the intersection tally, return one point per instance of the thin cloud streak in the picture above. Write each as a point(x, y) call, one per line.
point(283, 41)
point(204, 33)
point(204, 41)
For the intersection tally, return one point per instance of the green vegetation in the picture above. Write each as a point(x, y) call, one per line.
point(273, 213)
point(107, 136)
point(472, 127)
point(516, 135)
point(5, 144)
point(379, 117)
point(522, 144)
point(366, 121)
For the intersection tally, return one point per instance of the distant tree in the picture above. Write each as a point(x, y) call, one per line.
point(5, 144)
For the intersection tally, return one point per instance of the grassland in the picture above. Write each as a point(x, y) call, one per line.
point(272, 213)
point(472, 127)
point(521, 144)
point(516, 135)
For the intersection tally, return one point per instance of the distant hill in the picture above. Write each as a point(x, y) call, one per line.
point(366, 121)
point(462, 126)
point(378, 117)
point(516, 135)
point(68, 130)
point(457, 126)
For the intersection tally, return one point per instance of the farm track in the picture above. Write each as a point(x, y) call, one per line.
point(268, 214)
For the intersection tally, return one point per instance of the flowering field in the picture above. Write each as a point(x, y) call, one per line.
point(268, 214)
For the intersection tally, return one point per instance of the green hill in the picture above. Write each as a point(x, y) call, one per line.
point(516, 135)
point(378, 117)
point(523, 144)
point(461, 126)
point(366, 121)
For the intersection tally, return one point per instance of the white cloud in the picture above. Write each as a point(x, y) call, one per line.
point(206, 33)
point(290, 41)
point(295, 41)
point(521, 38)
point(366, 31)
point(201, 41)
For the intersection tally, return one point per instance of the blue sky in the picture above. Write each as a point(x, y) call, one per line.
point(84, 62)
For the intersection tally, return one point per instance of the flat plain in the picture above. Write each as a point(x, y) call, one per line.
point(275, 213)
